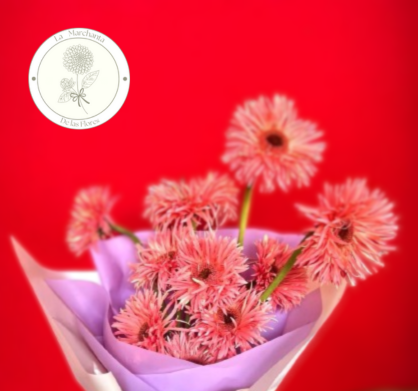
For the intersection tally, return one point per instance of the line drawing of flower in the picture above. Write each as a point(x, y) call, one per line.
point(78, 59)
point(67, 84)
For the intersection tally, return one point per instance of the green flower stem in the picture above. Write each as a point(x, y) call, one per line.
point(283, 272)
point(125, 232)
point(281, 275)
point(245, 211)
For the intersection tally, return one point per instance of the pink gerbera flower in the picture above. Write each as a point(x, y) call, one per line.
point(271, 257)
point(221, 193)
point(352, 228)
point(269, 144)
point(90, 219)
point(209, 270)
point(156, 262)
point(235, 326)
point(143, 322)
point(202, 203)
point(188, 347)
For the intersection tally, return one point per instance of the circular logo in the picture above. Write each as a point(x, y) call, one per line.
point(79, 78)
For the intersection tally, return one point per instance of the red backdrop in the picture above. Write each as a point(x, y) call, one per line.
point(350, 65)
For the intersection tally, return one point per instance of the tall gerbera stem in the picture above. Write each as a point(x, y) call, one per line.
point(281, 275)
point(245, 211)
point(284, 270)
point(125, 232)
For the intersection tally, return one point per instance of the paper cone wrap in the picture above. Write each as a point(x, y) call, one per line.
point(79, 307)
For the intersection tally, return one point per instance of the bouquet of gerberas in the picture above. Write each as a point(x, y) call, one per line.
point(193, 306)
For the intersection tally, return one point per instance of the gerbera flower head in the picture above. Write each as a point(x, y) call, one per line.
point(352, 228)
point(271, 258)
point(143, 323)
point(90, 218)
point(209, 270)
point(235, 326)
point(201, 203)
point(156, 262)
point(187, 346)
point(221, 194)
point(267, 143)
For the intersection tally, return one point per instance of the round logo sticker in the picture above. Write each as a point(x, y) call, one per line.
point(79, 78)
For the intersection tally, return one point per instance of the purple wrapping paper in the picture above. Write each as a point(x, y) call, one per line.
point(137, 369)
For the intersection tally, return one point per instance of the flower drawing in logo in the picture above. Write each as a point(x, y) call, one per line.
point(67, 84)
point(78, 59)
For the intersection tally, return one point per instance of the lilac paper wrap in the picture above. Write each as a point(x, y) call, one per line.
point(137, 369)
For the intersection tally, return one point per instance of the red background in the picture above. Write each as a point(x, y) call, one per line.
point(351, 66)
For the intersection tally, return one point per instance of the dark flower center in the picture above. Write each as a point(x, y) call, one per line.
point(143, 332)
point(204, 274)
point(274, 269)
point(171, 254)
point(346, 232)
point(275, 140)
point(100, 232)
point(229, 318)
